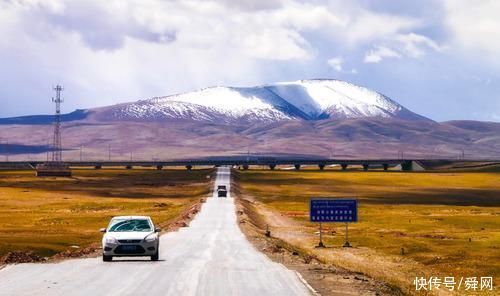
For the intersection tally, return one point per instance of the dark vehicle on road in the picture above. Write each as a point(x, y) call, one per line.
point(221, 191)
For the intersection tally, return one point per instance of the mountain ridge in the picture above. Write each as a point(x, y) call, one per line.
point(315, 99)
point(303, 117)
point(303, 100)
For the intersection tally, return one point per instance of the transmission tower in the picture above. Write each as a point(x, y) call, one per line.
point(57, 146)
point(55, 167)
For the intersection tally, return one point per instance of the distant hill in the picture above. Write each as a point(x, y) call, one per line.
point(307, 117)
point(299, 100)
point(44, 119)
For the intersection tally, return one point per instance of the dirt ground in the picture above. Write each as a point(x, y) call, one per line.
point(94, 249)
point(432, 224)
point(47, 219)
point(324, 278)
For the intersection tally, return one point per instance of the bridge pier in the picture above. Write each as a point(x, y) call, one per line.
point(412, 165)
point(297, 166)
point(189, 167)
point(386, 166)
point(366, 167)
point(321, 166)
point(159, 167)
point(272, 167)
point(407, 166)
point(344, 166)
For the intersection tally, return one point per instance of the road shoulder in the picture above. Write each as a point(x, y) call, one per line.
point(324, 278)
point(94, 249)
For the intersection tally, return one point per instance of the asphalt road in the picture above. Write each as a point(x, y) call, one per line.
point(210, 257)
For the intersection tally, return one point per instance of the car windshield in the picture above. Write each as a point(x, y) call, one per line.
point(122, 225)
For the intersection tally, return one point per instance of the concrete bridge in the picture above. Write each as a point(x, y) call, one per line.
point(245, 163)
point(270, 162)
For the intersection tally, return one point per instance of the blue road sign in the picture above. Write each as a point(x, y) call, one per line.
point(333, 210)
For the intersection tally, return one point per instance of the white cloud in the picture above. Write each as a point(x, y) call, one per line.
point(486, 116)
point(414, 45)
point(474, 25)
point(402, 45)
point(495, 116)
point(366, 26)
point(336, 63)
point(274, 30)
point(279, 44)
point(54, 6)
point(379, 53)
point(114, 50)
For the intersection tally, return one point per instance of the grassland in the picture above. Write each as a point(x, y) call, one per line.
point(447, 223)
point(50, 215)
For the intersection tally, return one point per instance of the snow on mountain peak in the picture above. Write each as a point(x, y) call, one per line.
point(335, 97)
point(304, 99)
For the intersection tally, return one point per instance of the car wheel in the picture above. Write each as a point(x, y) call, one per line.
point(107, 258)
point(155, 257)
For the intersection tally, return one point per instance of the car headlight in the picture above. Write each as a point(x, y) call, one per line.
point(150, 238)
point(111, 240)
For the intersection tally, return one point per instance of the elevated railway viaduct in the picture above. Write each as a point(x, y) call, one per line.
point(271, 163)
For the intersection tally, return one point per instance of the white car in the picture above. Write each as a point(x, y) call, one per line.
point(130, 236)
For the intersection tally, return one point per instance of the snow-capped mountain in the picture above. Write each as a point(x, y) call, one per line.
point(277, 119)
point(305, 99)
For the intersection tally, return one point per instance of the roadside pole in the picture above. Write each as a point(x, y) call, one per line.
point(347, 244)
point(320, 245)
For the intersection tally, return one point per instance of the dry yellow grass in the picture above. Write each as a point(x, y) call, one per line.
point(49, 215)
point(430, 215)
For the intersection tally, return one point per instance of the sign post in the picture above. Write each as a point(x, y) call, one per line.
point(320, 245)
point(333, 211)
point(347, 244)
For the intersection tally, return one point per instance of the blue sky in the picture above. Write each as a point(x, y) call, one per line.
point(437, 58)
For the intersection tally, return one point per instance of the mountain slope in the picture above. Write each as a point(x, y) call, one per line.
point(348, 138)
point(305, 100)
point(44, 119)
point(309, 117)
